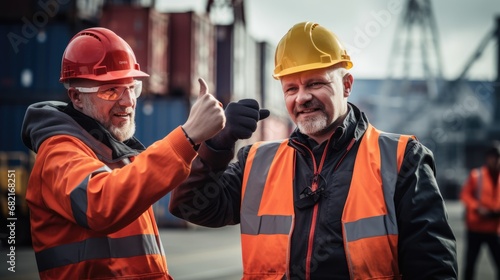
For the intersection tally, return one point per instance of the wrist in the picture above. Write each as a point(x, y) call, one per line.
point(221, 142)
point(190, 140)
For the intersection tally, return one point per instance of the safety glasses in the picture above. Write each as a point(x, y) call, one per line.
point(113, 92)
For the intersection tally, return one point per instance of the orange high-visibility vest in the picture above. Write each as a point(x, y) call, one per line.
point(369, 225)
point(480, 191)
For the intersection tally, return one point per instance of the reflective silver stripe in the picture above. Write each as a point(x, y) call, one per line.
point(98, 248)
point(79, 200)
point(250, 222)
point(385, 224)
point(368, 227)
point(388, 144)
point(267, 224)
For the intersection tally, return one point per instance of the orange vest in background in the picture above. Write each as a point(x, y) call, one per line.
point(480, 191)
point(369, 225)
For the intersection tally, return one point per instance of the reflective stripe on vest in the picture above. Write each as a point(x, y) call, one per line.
point(79, 201)
point(271, 165)
point(265, 223)
point(389, 168)
point(369, 217)
point(98, 248)
point(251, 222)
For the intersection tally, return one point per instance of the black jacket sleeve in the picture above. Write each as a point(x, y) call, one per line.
point(427, 245)
point(211, 195)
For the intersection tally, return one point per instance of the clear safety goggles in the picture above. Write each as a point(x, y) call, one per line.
point(113, 92)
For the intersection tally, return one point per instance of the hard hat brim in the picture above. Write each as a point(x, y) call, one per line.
point(307, 67)
point(112, 75)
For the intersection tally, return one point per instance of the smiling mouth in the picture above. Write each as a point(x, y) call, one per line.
point(307, 111)
point(122, 115)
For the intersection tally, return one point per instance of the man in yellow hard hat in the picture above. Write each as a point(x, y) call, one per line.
point(93, 184)
point(338, 199)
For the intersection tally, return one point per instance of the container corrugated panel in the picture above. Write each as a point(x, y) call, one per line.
point(145, 30)
point(158, 50)
point(132, 24)
point(204, 50)
point(191, 53)
point(179, 59)
point(32, 62)
point(156, 117)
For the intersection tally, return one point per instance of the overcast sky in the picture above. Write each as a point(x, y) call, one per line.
point(367, 28)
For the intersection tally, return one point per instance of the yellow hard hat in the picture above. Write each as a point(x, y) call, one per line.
point(308, 46)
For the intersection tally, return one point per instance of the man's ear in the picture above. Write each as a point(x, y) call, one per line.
point(74, 95)
point(347, 81)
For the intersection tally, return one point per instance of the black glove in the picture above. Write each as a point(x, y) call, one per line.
point(241, 122)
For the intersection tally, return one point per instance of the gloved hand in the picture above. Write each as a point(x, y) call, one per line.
point(241, 122)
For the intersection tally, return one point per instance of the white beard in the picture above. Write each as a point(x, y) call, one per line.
point(313, 125)
point(123, 133)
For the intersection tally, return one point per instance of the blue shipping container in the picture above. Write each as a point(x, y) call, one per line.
point(32, 61)
point(11, 119)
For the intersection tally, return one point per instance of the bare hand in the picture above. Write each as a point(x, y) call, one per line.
point(206, 117)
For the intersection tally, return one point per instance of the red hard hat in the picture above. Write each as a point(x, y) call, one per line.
point(99, 54)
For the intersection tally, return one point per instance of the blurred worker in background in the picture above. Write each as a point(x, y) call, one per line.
point(93, 184)
point(339, 199)
point(481, 197)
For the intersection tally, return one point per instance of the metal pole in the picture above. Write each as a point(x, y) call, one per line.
point(494, 129)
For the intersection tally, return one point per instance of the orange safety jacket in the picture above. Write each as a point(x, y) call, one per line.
point(479, 191)
point(91, 217)
point(370, 231)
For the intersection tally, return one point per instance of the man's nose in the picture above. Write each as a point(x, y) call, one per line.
point(303, 96)
point(128, 97)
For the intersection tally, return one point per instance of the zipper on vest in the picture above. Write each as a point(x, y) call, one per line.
point(314, 187)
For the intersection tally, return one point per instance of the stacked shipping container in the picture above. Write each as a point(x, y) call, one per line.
point(145, 30)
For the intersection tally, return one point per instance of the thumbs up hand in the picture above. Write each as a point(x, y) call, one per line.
point(206, 117)
point(241, 123)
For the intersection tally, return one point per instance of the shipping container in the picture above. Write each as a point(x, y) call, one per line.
point(157, 116)
point(224, 63)
point(31, 64)
point(191, 53)
point(246, 65)
point(145, 30)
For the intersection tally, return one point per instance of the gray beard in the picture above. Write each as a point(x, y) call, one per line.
point(313, 126)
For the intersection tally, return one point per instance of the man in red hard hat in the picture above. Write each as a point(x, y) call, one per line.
point(92, 185)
